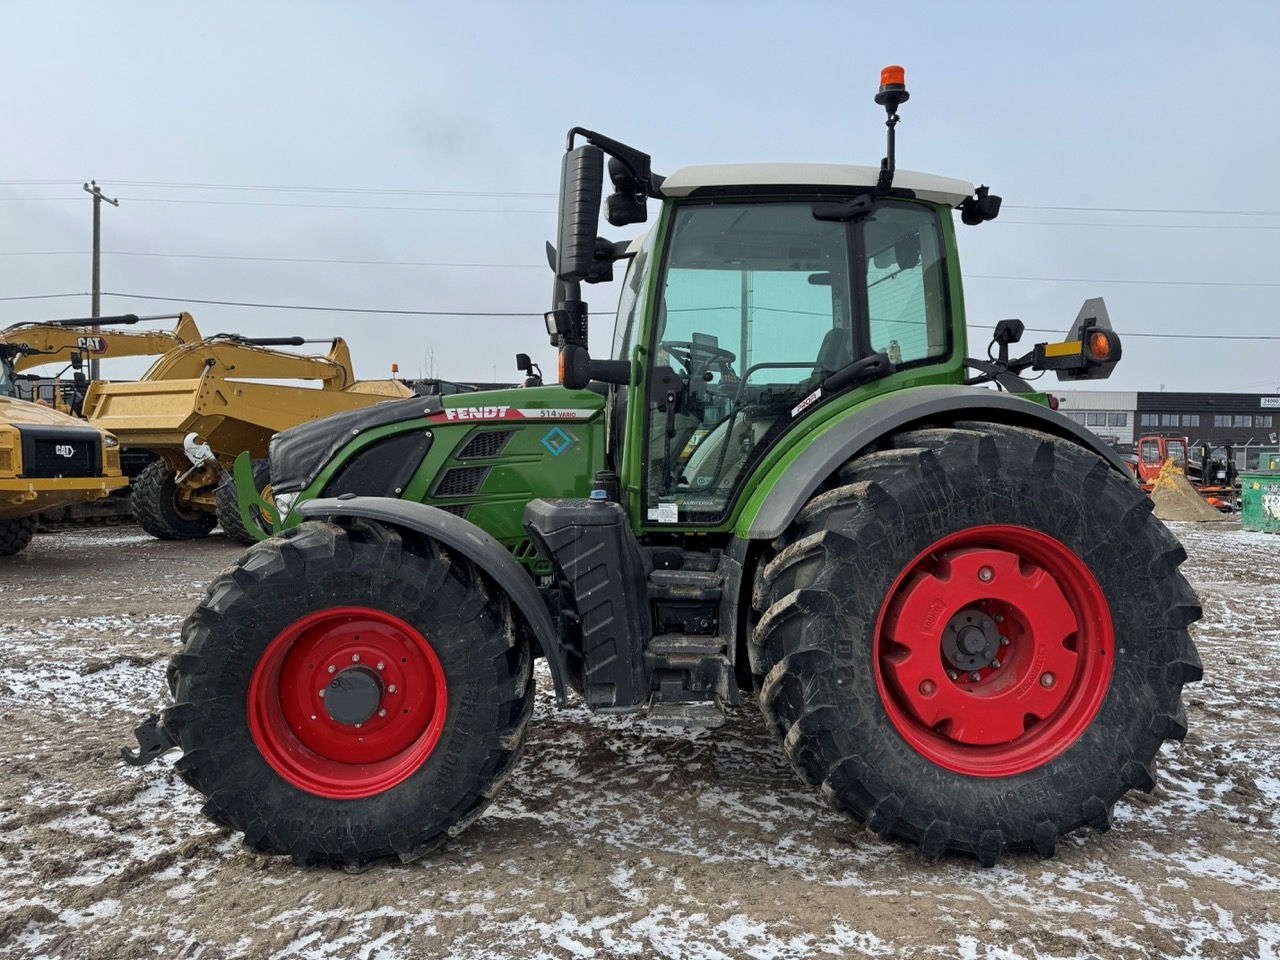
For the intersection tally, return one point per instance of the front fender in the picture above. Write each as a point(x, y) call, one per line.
point(468, 539)
point(250, 500)
point(789, 484)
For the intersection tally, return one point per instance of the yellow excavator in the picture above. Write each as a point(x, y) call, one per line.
point(24, 346)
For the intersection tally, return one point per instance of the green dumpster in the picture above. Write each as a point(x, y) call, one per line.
point(1260, 500)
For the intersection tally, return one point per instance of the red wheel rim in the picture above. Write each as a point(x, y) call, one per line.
point(994, 650)
point(347, 702)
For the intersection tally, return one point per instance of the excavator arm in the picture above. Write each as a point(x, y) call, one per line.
point(56, 341)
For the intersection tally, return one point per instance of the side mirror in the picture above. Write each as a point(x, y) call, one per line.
point(581, 181)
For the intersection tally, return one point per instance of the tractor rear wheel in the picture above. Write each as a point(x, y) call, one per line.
point(977, 641)
point(228, 499)
point(160, 512)
point(15, 534)
point(346, 694)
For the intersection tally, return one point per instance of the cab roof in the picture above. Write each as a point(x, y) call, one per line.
point(926, 186)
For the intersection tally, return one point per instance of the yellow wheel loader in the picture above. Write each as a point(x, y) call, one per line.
point(48, 460)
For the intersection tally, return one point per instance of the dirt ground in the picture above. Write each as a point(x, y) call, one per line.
point(614, 838)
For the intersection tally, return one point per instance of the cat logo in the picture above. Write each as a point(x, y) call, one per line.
point(65, 450)
point(92, 344)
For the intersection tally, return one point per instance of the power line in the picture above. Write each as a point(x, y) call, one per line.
point(214, 256)
point(1125, 334)
point(383, 191)
point(400, 208)
point(46, 296)
point(1147, 226)
point(1183, 210)
point(318, 309)
point(1161, 283)
point(308, 206)
point(389, 191)
point(534, 266)
point(458, 313)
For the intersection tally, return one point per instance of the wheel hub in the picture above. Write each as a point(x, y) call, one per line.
point(970, 641)
point(995, 647)
point(347, 702)
point(353, 696)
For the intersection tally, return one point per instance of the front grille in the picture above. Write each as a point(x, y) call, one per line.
point(61, 452)
point(460, 482)
point(485, 444)
point(6, 461)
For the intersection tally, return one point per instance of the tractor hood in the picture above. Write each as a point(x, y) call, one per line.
point(300, 453)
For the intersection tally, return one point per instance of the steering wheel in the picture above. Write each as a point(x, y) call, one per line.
point(698, 358)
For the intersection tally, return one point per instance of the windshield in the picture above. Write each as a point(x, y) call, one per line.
point(759, 303)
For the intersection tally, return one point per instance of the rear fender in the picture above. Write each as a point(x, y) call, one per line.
point(468, 539)
point(789, 484)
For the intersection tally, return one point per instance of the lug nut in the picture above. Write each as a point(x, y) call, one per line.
point(381, 665)
point(332, 668)
point(975, 676)
point(995, 663)
point(986, 574)
point(391, 689)
point(1004, 641)
point(952, 675)
point(999, 618)
point(322, 693)
point(1047, 680)
point(382, 713)
point(355, 658)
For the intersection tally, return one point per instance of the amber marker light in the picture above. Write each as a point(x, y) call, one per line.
point(560, 365)
point(1100, 345)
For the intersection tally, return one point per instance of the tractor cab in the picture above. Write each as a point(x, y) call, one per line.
point(750, 314)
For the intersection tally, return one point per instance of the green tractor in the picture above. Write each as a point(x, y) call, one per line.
point(956, 610)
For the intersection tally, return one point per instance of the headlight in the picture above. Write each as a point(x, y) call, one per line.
point(284, 504)
point(110, 442)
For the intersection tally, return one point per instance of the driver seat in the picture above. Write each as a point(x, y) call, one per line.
point(836, 351)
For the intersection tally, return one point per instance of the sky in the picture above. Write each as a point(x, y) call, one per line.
point(405, 156)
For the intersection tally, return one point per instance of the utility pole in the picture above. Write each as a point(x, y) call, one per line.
point(93, 190)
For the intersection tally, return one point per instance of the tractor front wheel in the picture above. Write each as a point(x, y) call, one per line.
point(347, 694)
point(977, 641)
point(159, 509)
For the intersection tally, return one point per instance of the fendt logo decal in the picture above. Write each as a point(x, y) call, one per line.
point(476, 413)
point(96, 345)
point(511, 413)
point(65, 450)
